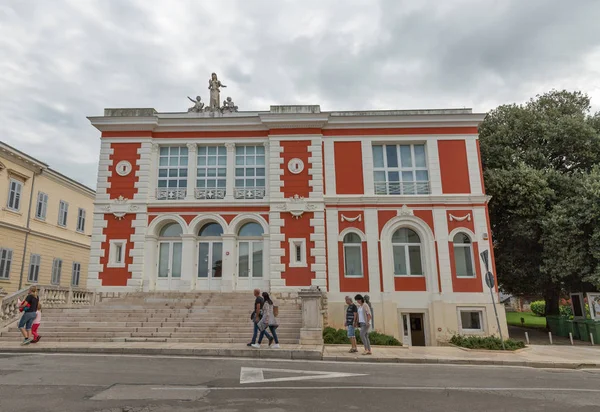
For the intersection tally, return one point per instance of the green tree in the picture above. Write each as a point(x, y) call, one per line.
point(537, 158)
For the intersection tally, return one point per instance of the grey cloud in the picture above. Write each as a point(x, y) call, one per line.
point(62, 61)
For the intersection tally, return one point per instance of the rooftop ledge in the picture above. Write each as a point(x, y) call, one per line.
point(287, 109)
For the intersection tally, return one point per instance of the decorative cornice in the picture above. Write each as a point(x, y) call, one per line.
point(119, 208)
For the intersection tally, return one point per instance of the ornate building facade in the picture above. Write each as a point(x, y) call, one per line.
point(385, 203)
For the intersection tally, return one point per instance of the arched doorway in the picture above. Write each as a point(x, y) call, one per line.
point(250, 265)
point(169, 257)
point(210, 256)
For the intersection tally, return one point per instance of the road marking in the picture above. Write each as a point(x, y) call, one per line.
point(256, 375)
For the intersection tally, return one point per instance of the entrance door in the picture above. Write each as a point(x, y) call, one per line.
point(413, 329)
point(169, 265)
point(250, 265)
point(210, 265)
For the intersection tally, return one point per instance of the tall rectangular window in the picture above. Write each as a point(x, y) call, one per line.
point(76, 272)
point(34, 268)
point(400, 169)
point(63, 210)
point(15, 188)
point(42, 206)
point(172, 173)
point(81, 220)
point(56, 269)
point(5, 262)
point(211, 172)
point(250, 172)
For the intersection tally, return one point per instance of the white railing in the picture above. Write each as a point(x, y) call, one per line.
point(402, 188)
point(50, 297)
point(249, 192)
point(165, 193)
point(209, 193)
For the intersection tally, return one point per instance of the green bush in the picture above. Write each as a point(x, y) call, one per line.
point(538, 307)
point(566, 310)
point(485, 342)
point(333, 336)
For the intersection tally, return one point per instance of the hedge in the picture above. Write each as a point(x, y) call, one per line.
point(487, 342)
point(333, 336)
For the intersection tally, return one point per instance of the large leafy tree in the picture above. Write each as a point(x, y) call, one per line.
point(538, 161)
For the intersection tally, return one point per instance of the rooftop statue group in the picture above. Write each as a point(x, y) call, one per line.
point(214, 85)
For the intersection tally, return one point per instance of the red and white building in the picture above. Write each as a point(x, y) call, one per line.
point(385, 203)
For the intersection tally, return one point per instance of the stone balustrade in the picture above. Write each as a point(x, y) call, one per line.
point(50, 297)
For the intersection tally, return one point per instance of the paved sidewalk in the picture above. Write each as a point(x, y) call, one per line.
point(537, 356)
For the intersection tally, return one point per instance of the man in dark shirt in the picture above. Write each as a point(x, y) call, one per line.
point(351, 322)
point(259, 302)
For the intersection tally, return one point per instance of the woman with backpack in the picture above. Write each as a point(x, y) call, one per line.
point(269, 320)
point(29, 308)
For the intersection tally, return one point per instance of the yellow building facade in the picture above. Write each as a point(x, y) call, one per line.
point(45, 224)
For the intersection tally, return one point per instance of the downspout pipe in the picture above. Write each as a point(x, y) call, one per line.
point(27, 232)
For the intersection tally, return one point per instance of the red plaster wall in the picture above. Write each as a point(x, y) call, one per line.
point(454, 167)
point(297, 229)
point(295, 184)
point(348, 168)
point(354, 284)
point(123, 185)
point(117, 229)
point(426, 216)
point(410, 284)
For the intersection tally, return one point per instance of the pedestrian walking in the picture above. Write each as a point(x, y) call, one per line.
point(255, 317)
point(36, 325)
point(351, 323)
point(364, 321)
point(268, 321)
point(29, 307)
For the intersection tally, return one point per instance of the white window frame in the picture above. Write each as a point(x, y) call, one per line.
point(35, 261)
point(56, 271)
point(482, 318)
point(403, 189)
point(358, 246)
point(41, 206)
point(18, 193)
point(81, 220)
point(116, 259)
point(406, 247)
point(219, 191)
point(63, 210)
point(253, 191)
point(293, 244)
point(471, 251)
point(75, 273)
point(182, 166)
point(5, 262)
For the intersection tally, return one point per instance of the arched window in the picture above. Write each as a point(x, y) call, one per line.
point(250, 251)
point(171, 230)
point(463, 256)
point(406, 246)
point(251, 229)
point(353, 267)
point(211, 230)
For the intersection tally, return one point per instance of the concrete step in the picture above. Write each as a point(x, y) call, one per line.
point(244, 339)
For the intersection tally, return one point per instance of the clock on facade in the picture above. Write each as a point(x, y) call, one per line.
point(296, 166)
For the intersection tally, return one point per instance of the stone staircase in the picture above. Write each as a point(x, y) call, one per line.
point(164, 317)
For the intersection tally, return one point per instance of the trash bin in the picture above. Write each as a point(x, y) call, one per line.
point(558, 325)
point(593, 327)
point(552, 322)
point(584, 334)
point(572, 327)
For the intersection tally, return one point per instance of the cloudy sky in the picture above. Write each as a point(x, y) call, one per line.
point(63, 60)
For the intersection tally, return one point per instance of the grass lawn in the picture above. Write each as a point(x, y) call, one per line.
point(531, 320)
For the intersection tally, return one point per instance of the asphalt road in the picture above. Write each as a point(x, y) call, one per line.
point(113, 383)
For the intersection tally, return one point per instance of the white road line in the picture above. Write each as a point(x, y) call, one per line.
point(256, 375)
point(220, 358)
point(391, 388)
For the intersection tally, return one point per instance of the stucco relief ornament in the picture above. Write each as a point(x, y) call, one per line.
point(351, 219)
point(120, 208)
point(405, 211)
point(466, 217)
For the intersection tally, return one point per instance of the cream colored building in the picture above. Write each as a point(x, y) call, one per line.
point(45, 224)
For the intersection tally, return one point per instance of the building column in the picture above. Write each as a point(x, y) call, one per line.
point(230, 176)
point(150, 263)
point(153, 174)
point(188, 262)
point(192, 166)
point(229, 277)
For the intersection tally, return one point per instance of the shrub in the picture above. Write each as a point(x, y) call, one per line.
point(485, 342)
point(538, 307)
point(333, 336)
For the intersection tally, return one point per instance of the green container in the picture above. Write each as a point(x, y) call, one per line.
point(571, 327)
point(558, 325)
point(593, 329)
point(584, 334)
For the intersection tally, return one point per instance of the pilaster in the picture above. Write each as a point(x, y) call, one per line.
point(190, 194)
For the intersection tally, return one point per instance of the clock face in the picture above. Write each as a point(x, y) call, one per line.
point(296, 166)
